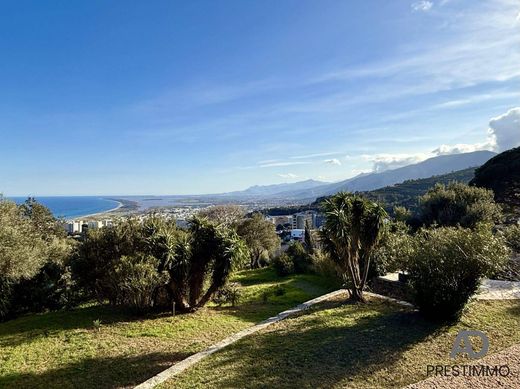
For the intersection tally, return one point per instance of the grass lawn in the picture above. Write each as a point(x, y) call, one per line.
point(376, 345)
point(65, 349)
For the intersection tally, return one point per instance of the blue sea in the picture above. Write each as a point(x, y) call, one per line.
point(70, 207)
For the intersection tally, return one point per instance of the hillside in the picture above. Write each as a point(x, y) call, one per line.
point(404, 194)
point(435, 166)
point(407, 193)
point(502, 174)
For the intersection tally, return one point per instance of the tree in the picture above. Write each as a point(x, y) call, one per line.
point(22, 251)
point(33, 251)
point(197, 262)
point(458, 204)
point(351, 232)
point(309, 241)
point(260, 237)
point(227, 215)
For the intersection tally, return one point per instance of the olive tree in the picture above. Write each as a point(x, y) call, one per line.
point(458, 204)
point(260, 237)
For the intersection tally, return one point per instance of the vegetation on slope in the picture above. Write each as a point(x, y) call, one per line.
point(502, 174)
point(102, 346)
point(337, 345)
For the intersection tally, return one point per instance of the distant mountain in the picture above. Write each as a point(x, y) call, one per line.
point(407, 193)
point(431, 167)
point(275, 189)
point(404, 194)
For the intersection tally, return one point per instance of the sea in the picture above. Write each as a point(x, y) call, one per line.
point(72, 207)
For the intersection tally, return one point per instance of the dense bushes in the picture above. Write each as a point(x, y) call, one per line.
point(283, 264)
point(295, 260)
point(446, 265)
point(152, 264)
point(33, 256)
point(135, 280)
point(458, 204)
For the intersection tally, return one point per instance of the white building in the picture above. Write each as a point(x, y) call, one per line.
point(297, 234)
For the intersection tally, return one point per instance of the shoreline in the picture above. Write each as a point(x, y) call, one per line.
point(119, 205)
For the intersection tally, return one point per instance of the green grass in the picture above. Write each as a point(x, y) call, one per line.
point(67, 350)
point(376, 345)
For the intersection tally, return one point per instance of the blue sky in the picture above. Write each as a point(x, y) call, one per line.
point(170, 97)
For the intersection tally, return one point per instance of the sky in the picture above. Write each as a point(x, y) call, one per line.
point(186, 97)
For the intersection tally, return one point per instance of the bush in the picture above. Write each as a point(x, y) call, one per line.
point(228, 294)
point(322, 264)
point(458, 204)
point(302, 261)
point(283, 265)
point(134, 281)
point(512, 236)
point(395, 244)
point(51, 289)
point(446, 265)
point(5, 297)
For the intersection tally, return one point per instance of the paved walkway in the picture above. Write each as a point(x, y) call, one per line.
point(489, 289)
point(499, 290)
point(509, 357)
point(190, 361)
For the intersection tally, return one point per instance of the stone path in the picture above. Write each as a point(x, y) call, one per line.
point(499, 290)
point(190, 361)
point(489, 289)
point(509, 357)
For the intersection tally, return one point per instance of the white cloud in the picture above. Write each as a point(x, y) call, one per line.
point(333, 161)
point(277, 164)
point(290, 176)
point(315, 155)
point(422, 5)
point(382, 162)
point(505, 129)
point(463, 148)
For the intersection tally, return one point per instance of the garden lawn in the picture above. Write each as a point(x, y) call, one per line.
point(68, 350)
point(337, 345)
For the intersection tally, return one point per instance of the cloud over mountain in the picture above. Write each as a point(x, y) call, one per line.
point(505, 129)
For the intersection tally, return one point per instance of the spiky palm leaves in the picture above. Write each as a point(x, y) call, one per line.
point(206, 252)
point(351, 231)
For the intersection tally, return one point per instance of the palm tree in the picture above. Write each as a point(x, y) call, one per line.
point(352, 230)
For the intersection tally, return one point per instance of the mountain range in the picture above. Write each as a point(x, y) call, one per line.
point(311, 189)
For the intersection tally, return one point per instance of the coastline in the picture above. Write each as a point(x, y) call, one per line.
point(119, 205)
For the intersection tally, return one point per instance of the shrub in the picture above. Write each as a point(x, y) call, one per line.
point(134, 280)
point(446, 265)
point(322, 264)
point(512, 236)
point(302, 261)
point(283, 265)
point(458, 204)
point(228, 294)
point(394, 245)
point(5, 297)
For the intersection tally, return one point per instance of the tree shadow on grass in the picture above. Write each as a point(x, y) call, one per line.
point(96, 373)
point(321, 350)
point(25, 328)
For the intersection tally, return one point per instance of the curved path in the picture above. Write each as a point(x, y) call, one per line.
point(193, 359)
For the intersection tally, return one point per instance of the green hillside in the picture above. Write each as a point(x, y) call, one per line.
point(407, 193)
point(502, 174)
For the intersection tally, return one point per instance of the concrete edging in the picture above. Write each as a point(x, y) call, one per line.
point(193, 359)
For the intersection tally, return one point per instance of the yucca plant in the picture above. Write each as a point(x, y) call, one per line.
point(352, 230)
